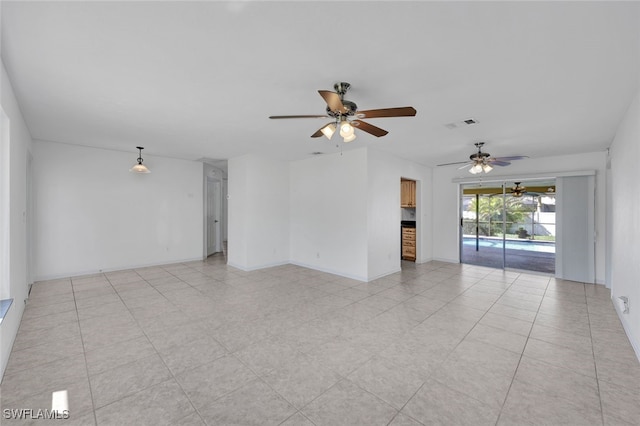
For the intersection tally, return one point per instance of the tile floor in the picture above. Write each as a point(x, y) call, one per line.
point(204, 343)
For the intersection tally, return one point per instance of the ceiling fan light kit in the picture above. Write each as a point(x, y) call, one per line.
point(350, 138)
point(346, 129)
point(329, 130)
point(346, 116)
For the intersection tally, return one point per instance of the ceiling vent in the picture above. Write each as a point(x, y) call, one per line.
point(470, 121)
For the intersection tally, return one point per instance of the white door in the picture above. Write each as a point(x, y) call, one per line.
point(214, 199)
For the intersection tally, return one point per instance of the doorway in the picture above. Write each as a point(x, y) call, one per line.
point(409, 202)
point(509, 224)
point(215, 207)
point(214, 210)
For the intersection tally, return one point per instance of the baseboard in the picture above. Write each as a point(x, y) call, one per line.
point(384, 274)
point(442, 259)
point(634, 343)
point(48, 277)
point(255, 268)
point(330, 271)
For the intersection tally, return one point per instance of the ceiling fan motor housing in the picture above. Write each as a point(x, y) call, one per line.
point(351, 108)
point(479, 156)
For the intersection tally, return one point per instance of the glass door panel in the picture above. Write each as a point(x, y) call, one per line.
point(503, 227)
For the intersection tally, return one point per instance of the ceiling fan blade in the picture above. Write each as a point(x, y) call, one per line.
point(333, 100)
point(499, 163)
point(465, 166)
point(511, 158)
point(298, 116)
point(451, 164)
point(369, 128)
point(388, 112)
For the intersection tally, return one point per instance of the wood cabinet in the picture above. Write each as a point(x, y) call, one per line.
point(407, 193)
point(408, 243)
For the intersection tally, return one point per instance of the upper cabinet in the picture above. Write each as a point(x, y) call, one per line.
point(407, 193)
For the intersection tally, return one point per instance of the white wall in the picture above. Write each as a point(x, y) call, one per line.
point(625, 223)
point(445, 201)
point(384, 213)
point(258, 212)
point(93, 215)
point(329, 213)
point(339, 213)
point(19, 144)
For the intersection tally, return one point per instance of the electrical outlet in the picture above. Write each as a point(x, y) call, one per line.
point(623, 304)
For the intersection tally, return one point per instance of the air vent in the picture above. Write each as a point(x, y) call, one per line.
point(317, 153)
point(470, 121)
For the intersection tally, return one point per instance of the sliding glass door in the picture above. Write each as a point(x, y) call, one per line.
point(509, 225)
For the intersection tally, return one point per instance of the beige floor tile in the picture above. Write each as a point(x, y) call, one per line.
point(500, 338)
point(347, 404)
point(56, 375)
point(340, 355)
point(620, 373)
point(437, 404)
point(108, 333)
point(48, 336)
point(392, 383)
point(528, 405)
point(573, 341)
point(116, 383)
point(297, 420)
point(118, 354)
point(32, 311)
point(301, 379)
point(620, 402)
point(561, 356)
point(444, 343)
point(78, 394)
point(565, 322)
point(512, 312)
point(211, 381)
point(255, 403)
point(162, 404)
point(558, 382)
point(183, 357)
point(506, 323)
point(35, 356)
point(404, 420)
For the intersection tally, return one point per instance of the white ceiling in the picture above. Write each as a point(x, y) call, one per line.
point(200, 79)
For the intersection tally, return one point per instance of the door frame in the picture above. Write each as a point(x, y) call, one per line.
point(212, 178)
point(503, 182)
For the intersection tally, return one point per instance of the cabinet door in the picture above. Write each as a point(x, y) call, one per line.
point(412, 193)
point(404, 193)
point(407, 193)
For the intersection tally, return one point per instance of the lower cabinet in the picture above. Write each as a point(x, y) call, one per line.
point(408, 243)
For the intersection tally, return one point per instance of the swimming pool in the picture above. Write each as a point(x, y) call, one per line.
point(528, 245)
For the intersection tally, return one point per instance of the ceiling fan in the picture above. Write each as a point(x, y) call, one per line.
point(346, 117)
point(483, 161)
point(517, 190)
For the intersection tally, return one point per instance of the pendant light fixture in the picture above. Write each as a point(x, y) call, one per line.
point(139, 167)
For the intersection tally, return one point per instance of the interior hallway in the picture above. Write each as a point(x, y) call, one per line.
point(204, 343)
